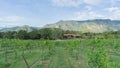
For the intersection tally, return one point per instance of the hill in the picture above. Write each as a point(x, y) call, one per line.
point(97, 25)
point(17, 28)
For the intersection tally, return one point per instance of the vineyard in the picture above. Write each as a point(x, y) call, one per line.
point(80, 53)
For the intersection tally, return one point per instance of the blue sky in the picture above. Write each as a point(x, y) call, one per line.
point(41, 12)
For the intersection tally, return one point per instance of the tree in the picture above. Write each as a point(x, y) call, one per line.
point(57, 33)
point(1, 34)
point(22, 35)
point(46, 33)
point(9, 34)
point(34, 35)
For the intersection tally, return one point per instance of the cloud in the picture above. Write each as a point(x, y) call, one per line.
point(76, 3)
point(87, 15)
point(73, 3)
point(114, 2)
point(89, 8)
point(112, 9)
point(6, 24)
point(114, 13)
point(115, 17)
point(11, 18)
point(93, 2)
point(111, 13)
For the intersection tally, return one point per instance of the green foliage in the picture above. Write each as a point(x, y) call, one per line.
point(98, 58)
point(34, 35)
point(22, 35)
point(55, 34)
point(51, 33)
point(84, 53)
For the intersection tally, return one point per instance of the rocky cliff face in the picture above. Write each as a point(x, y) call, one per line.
point(97, 25)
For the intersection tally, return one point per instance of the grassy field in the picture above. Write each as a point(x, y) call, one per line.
point(84, 53)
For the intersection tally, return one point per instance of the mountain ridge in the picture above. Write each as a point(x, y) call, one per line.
point(96, 25)
point(18, 28)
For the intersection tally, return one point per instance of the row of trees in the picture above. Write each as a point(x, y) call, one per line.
point(54, 33)
point(104, 35)
point(45, 33)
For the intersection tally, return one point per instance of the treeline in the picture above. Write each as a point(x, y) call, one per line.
point(45, 33)
point(55, 33)
point(104, 35)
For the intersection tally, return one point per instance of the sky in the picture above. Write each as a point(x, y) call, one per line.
point(41, 12)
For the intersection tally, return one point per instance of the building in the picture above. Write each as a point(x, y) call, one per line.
point(72, 35)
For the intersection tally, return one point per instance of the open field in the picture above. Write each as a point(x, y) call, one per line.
point(84, 53)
